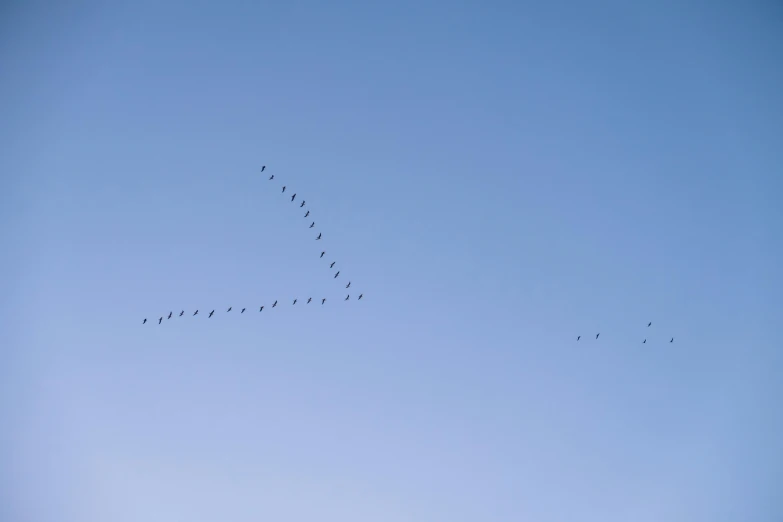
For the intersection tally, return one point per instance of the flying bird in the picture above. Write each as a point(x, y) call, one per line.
point(312, 224)
point(335, 275)
point(333, 262)
point(360, 296)
point(319, 236)
point(294, 301)
point(303, 203)
point(169, 317)
point(309, 299)
point(182, 313)
point(160, 320)
point(263, 167)
point(578, 337)
point(229, 309)
point(144, 321)
point(596, 335)
point(648, 324)
point(308, 213)
point(261, 309)
point(271, 177)
point(322, 254)
point(210, 313)
point(644, 342)
point(283, 188)
point(274, 304)
point(243, 311)
point(672, 340)
point(292, 197)
point(323, 300)
point(195, 313)
point(347, 296)
point(348, 285)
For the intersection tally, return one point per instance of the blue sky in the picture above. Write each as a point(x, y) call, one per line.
point(495, 178)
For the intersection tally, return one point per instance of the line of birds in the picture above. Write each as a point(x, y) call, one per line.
point(261, 309)
point(643, 342)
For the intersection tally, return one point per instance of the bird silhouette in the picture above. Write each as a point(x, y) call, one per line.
point(182, 313)
point(169, 317)
point(649, 324)
point(347, 296)
point(195, 313)
point(644, 342)
point(578, 337)
point(160, 320)
point(312, 224)
point(303, 203)
point(323, 300)
point(210, 313)
point(261, 309)
point(672, 340)
point(309, 299)
point(264, 167)
point(274, 304)
point(319, 236)
point(596, 335)
point(335, 275)
point(322, 254)
point(271, 177)
point(348, 285)
point(229, 309)
point(243, 311)
point(308, 213)
point(294, 301)
point(360, 296)
point(144, 321)
point(283, 188)
point(292, 197)
point(332, 265)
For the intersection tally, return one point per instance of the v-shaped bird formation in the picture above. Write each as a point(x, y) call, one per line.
point(644, 341)
point(294, 300)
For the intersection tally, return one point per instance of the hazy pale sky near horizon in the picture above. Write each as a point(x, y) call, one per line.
point(496, 178)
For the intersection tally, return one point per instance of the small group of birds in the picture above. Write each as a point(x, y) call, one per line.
point(261, 309)
point(643, 342)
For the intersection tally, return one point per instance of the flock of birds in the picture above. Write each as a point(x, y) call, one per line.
point(643, 342)
point(261, 308)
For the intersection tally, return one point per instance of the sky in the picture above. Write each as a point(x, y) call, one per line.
point(497, 178)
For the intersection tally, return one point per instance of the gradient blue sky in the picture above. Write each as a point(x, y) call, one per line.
point(496, 178)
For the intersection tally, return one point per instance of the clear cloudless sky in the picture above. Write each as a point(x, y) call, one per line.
point(497, 178)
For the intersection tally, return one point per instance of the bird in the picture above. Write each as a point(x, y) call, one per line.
point(294, 301)
point(644, 342)
point(303, 203)
point(322, 254)
point(308, 213)
point(323, 300)
point(309, 299)
point(144, 321)
point(360, 296)
point(182, 313)
point(160, 320)
point(210, 313)
point(312, 224)
point(596, 335)
point(274, 304)
point(243, 311)
point(332, 265)
point(263, 167)
point(319, 236)
point(229, 309)
point(648, 324)
point(672, 340)
point(578, 337)
point(292, 197)
point(348, 285)
point(261, 309)
point(335, 275)
point(283, 188)
point(347, 296)
point(195, 313)
point(271, 177)
point(169, 317)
